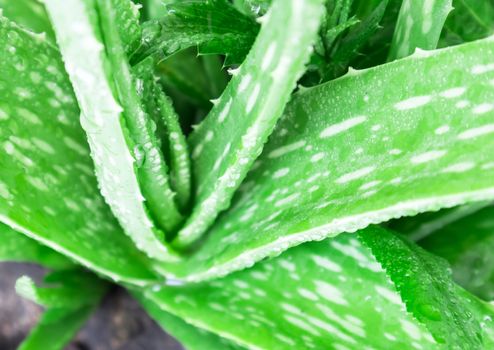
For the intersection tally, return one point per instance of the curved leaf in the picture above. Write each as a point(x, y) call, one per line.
point(101, 118)
point(363, 149)
point(48, 189)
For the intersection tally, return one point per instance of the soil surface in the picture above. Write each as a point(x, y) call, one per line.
point(119, 323)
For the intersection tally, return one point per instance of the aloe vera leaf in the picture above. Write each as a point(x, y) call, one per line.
point(102, 119)
point(301, 299)
point(419, 26)
point(152, 171)
point(420, 226)
point(29, 14)
point(362, 149)
point(47, 173)
point(173, 142)
point(430, 295)
point(68, 308)
point(191, 337)
point(15, 246)
point(180, 167)
point(470, 20)
point(227, 142)
point(205, 24)
point(467, 244)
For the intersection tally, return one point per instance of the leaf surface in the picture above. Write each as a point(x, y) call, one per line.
point(363, 149)
point(117, 162)
point(191, 337)
point(15, 246)
point(48, 189)
point(29, 14)
point(338, 293)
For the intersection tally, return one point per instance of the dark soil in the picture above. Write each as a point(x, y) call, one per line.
point(119, 323)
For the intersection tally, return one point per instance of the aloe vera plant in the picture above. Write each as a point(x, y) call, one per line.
point(254, 171)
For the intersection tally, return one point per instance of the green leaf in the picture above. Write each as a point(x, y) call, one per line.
point(361, 150)
point(29, 14)
point(191, 337)
point(470, 20)
point(125, 159)
point(68, 307)
point(15, 246)
point(467, 244)
point(152, 170)
point(430, 295)
point(337, 293)
point(419, 25)
point(227, 142)
point(206, 24)
point(169, 132)
point(48, 190)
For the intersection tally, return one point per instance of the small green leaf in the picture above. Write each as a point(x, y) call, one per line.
point(419, 25)
point(227, 142)
point(206, 24)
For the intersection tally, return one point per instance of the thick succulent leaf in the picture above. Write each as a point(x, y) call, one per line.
point(15, 246)
point(468, 244)
point(227, 142)
point(68, 307)
point(420, 226)
point(173, 141)
point(29, 14)
point(116, 160)
point(127, 24)
point(335, 294)
point(206, 24)
point(430, 295)
point(470, 20)
point(47, 173)
point(152, 170)
point(363, 149)
point(419, 25)
point(191, 337)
